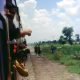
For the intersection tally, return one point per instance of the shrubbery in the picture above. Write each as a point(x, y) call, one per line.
point(57, 55)
point(65, 54)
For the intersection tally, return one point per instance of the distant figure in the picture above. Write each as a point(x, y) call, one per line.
point(53, 49)
point(37, 49)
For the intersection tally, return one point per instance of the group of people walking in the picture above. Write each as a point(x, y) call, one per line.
point(37, 49)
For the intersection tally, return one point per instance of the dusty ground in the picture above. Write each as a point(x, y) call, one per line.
point(41, 68)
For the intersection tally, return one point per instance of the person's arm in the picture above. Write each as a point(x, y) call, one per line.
point(27, 31)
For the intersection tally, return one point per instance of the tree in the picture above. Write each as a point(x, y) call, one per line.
point(68, 32)
point(62, 40)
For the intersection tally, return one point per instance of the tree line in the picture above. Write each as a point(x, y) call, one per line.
point(67, 34)
point(65, 38)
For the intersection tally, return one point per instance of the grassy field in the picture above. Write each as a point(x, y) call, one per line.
point(68, 55)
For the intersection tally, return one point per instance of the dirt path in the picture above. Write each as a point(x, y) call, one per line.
point(46, 70)
point(41, 68)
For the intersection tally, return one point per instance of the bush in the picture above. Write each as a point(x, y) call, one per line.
point(69, 63)
point(66, 54)
point(76, 55)
point(68, 60)
point(57, 55)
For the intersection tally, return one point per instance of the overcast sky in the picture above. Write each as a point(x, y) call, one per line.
point(47, 18)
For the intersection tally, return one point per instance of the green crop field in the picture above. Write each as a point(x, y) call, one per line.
point(68, 55)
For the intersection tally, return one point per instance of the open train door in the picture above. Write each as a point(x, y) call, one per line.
point(3, 50)
point(4, 47)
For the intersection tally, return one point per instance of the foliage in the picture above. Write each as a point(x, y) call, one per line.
point(74, 69)
point(57, 55)
point(68, 60)
point(68, 32)
point(62, 40)
point(76, 55)
point(63, 55)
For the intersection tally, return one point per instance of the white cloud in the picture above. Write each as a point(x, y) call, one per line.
point(43, 25)
point(66, 3)
point(28, 4)
point(37, 19)
point(68, 13)
point(71, 7)
point(27, 10)
point(62, 18)
point(42, 17)
point(46, 24)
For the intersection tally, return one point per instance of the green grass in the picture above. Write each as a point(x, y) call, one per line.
point(49, 56)
point(63, 55)
point(74, 69)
